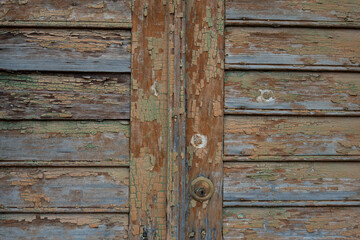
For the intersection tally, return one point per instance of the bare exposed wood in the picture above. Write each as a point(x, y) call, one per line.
point(292, 48)
point(338, 13)
point(63, 226)
point(65, 50)
point(65, 12)
point(291, 136)
point(64, 189)
point(28, 141)
point(64, 96)
point(322, 181)
point(292, 92)
point(291, 223)
point(204, 123)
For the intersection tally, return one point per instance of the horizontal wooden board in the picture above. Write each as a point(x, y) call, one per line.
point(291, 223)
point(65, 50)
point(292, 48)
point(292, 93)
point(37, 141)
point(334, 13)
point(64, 189)
point(57, 13)
point(291, 136)
point(63, 226)
point(64, 96)
point(296, 181)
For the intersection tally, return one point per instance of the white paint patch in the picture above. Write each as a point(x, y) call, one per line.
point(153, 88)
point(266, 96)
point(199, 141)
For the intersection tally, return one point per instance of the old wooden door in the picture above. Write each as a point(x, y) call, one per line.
point(174, 119)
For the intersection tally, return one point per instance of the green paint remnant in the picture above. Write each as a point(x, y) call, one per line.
point(264, 174)
point(73, 128)
point(147, 108)
point(91, 146)
point(209, 19)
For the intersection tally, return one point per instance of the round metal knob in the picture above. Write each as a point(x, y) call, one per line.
point(202, 189)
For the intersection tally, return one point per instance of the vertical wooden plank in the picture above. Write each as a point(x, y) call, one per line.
point(157, 125)
point(176, 121)
point(149, 117)
point(204, 123)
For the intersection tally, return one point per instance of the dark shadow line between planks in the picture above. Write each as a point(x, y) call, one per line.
point(229, 22)
point(67, 25)
point(289, 113)
point(292, 68)
point(290, 204)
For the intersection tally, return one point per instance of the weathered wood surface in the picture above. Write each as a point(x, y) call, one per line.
point(63, 226)
point(150, 119)
point(64, 96)
point(106, 142)
point(204, 73)
point(292, 48)
point(292, 223)
point(176, 169)
point(59, 13)
point(291, 136)
point(302, 93)
point(336, 13)
point(321, 181)
point(65, 50)
point(64, 189)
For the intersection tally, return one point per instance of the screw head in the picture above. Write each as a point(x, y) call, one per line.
point(202, 189)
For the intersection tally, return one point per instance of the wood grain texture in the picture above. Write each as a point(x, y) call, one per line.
point(64, 96)
point(63, 226)
point(204, 73)
point(292, 48)
point(304, 93)
point(291, 136)
point(64, 189)
point(65, 141)
point(61, 13)
point(336, 13)
point(321, 181)
point(292, 223)
point(176, 168)
point(64, 50)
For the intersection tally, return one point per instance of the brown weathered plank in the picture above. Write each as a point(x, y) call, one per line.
point(292, 48)
point(150, 132)
point(61, 13)
point(291, 136)
point(291, 223)
point(65, 50)
point(63, 226)
point(204, 73)
point(69, 141)
point(64, 189)
point(336, 13)
point(309, 181)
point(64, 96)
point(292, 93)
